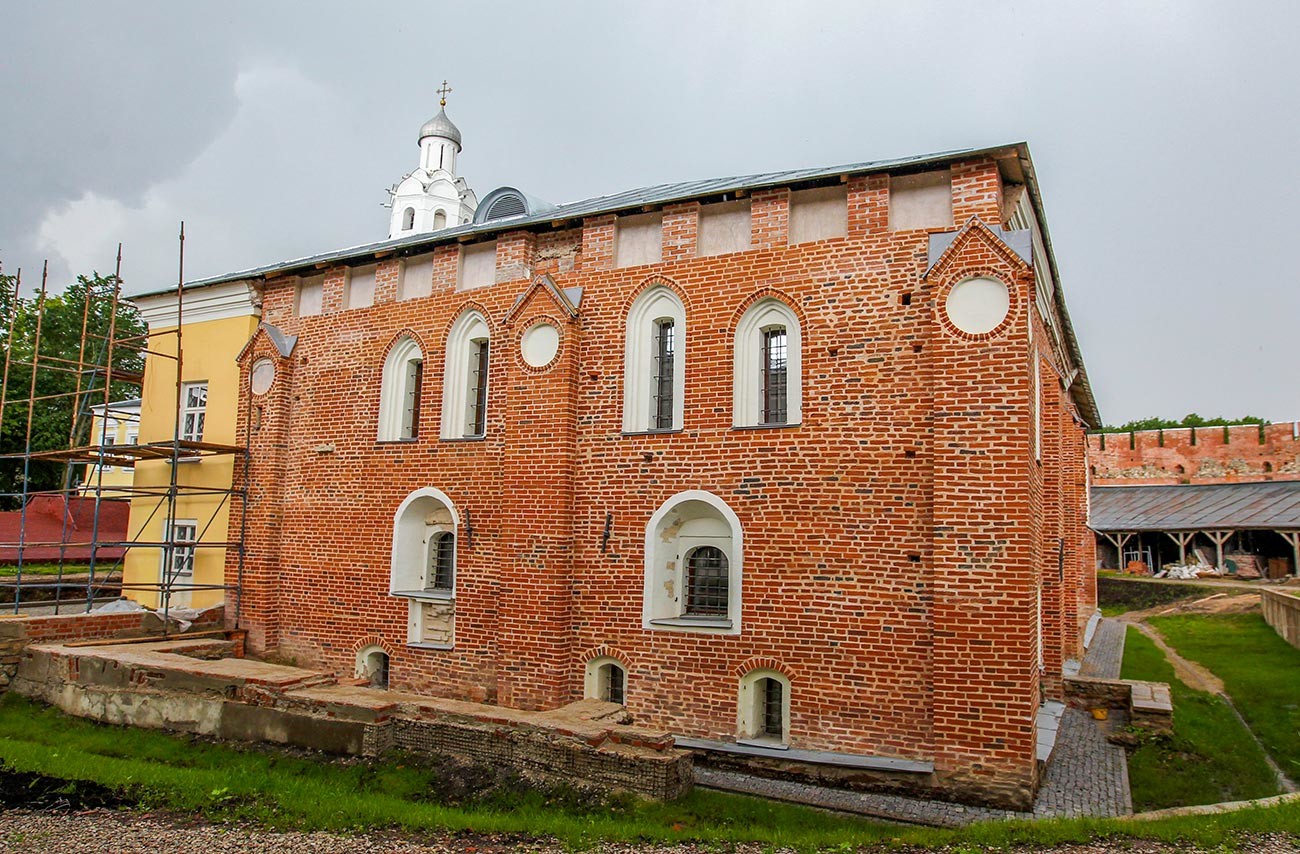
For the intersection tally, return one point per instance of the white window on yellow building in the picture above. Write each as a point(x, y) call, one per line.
point(182, 533)
point(194, 404)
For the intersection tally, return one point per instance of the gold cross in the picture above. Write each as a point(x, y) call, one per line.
point(443, 92)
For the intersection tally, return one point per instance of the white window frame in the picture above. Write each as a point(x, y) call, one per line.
point(182, 556)
point(457, 386)
point(751, 705)
point(199, 412)
point(594, 679)
point(711, 522)
point(747, 383)
point(656, 304)
point(397, 392)
point(420, 517)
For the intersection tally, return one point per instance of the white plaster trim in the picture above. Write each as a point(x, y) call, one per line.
point(213, 302)
point(735, 580)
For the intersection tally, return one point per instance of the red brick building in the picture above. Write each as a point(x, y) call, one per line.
point(789, 464)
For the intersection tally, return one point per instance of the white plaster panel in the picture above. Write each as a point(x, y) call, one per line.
point(639, 240)
point(920, 201)
point(417, 277)
point(310, 296)
point(361, 286)
point(478, 264)
point(540, 344)
point(819, 214)
point(976, 306)
point(725, 227)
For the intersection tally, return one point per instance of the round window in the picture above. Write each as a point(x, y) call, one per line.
point(978, 306)
point(540, 344)
point(262, 376)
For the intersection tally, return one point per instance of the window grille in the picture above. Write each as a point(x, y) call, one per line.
point(773, 708)
point(613, 679)
point(411, 399)
point(442, 561)
point(662, 400)
point(194, 404)
point(476, 424)
point(706, 582)
point(774, 375)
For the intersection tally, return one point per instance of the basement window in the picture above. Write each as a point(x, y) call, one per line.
point(764, 709)
point(606, 679)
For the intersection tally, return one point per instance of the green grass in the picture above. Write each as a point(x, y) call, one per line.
point(11, 570)
point(1260, 671)
point(1209, 758)
point(280, 790)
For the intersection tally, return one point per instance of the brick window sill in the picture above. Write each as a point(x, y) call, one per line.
point(632, 433)
point(767, 426)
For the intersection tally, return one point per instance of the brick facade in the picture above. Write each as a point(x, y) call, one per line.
point(1237, 454)
point(897, 542)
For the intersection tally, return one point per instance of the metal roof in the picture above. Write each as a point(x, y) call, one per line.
point(659, 194)
point(1270, 505)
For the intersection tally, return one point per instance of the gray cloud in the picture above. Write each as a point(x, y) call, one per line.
point(1162, 134)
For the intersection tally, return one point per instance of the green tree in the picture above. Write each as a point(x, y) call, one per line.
point(1189, 420)
point(53, 410)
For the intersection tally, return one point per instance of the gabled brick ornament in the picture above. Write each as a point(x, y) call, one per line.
point(976, 250)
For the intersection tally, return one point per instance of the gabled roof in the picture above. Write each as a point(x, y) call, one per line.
point(1269, 505)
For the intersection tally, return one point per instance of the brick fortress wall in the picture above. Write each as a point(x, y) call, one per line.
point(1237, 454)
point(896, 543)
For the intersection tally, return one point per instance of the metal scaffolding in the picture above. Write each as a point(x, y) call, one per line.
point(99, 554)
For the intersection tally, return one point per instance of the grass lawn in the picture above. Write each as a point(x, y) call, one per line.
point(279, 789)
point(11, 570)
point(1209, 758)
point(1260, 671)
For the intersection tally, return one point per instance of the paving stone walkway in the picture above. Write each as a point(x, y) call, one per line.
point(1087, 775)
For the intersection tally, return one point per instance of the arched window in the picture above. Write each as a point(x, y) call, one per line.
point(408, 219)
point(654, 362)
point(706, 582)
point(423, 567)
point(693, 561)
point(442, 561)
point(768, 383)
point(372, 665)
point(399, 393)
point(439, 219)
point(763, 709)
point(465, 386)
point(606, 679)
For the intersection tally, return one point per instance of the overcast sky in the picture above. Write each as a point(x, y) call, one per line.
point(1164, 135)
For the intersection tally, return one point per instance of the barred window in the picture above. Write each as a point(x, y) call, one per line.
point(773, 708)
point(768, 366)
point(399, 394)
point(442, 561)
point(662, 402)
point(476, 424)
point(612, 680)
point(706, 582)
point(774, 375)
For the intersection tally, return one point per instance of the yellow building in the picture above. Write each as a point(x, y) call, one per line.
point(216, 323)
point(118, 423)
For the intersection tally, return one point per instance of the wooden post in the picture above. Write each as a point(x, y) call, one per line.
point(1118, 539)
point(1182, 538)
point(1219, 537)
point(1293, 537)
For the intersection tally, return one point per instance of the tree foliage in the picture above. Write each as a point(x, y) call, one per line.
point(52, 410)
point(1189, 420)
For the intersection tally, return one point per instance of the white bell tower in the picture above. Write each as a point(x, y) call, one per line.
point(433, 197)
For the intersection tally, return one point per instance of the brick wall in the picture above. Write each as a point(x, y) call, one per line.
point(1237, 454)
point(895, 543)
